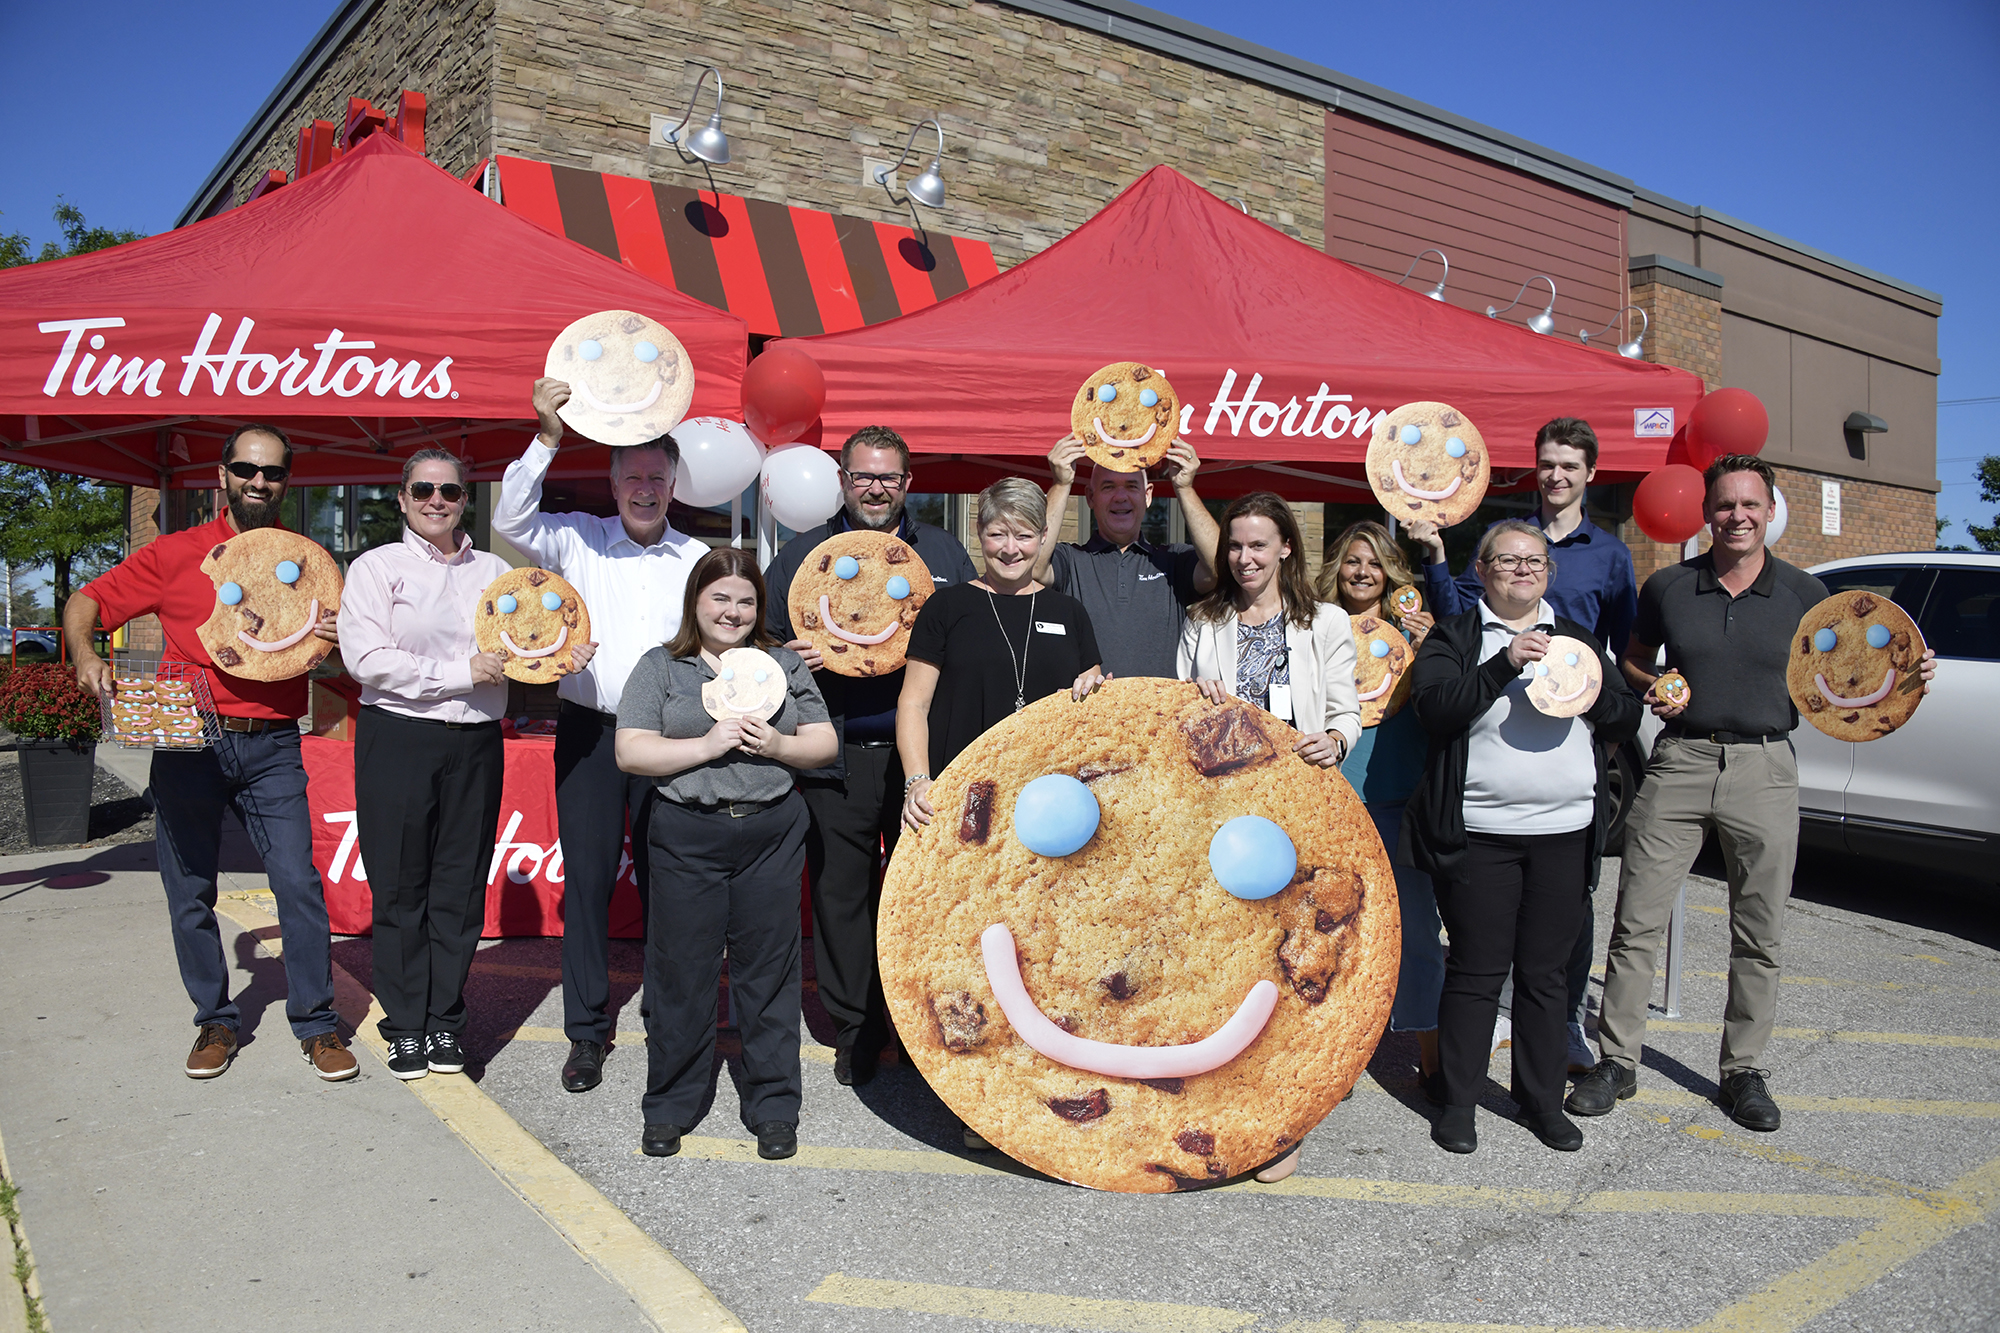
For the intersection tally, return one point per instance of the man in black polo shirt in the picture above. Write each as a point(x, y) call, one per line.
point(1724, 762)
point(857, 801)
point(1137, 592)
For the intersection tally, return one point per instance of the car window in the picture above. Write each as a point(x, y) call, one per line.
point(1964, 619)
point(1905, 585)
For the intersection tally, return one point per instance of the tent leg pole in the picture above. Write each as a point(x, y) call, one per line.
point(767, 531)
point(736, 523)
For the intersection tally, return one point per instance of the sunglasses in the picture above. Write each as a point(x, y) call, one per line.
point(274, 474)
point(450, 490)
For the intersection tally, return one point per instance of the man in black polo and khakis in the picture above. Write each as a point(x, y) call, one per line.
point(1724, 762)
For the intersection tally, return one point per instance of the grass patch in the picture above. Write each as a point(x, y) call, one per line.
point(24, 1271)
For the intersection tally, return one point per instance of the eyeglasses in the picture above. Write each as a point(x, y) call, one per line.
point(1527, 564)
point(888, 481)
point(274, 474)
point(450, 490)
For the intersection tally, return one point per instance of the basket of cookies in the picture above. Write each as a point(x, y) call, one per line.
point(160, 705)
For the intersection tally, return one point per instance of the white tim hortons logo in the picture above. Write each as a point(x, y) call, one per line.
point(1324, 414)
point(252, 372)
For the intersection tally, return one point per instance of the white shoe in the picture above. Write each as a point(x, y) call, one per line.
point(974, 1142)
point(1581, 1058)
point(1503, 1033)
point(1282, 1168)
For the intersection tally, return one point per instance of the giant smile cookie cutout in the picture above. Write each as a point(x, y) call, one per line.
point(1381, 667)
point(271, 588)
point(1567, 679)
point(856, 597)
point(531, 618)
point(1427, 461)
point(1855, 666)
point(748, 683)
point(1126, 415)
point(629, 379)
point(1142, 946)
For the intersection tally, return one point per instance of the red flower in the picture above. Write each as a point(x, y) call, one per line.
point(44, 700)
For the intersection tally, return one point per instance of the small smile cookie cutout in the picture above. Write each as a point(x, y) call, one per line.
point(531, 618)
point(1673, 690)
point(1381, 667)
point(271, 588)
point(1855, 666)
point(1427, 461)
point(1142, 946)
point(1407, 601)
point(1567, 679)
point(629, 378)
point(1126, 415)
point(748, 683)
point(856, 597)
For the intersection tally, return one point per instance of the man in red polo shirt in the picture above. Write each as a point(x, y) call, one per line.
point(255, 768)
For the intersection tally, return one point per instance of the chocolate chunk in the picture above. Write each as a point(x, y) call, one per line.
point(569, 613)
point(1140, 373)
point(1315, 942)
point(1862, 604)
point(1805, 644)
point(252, 622)
point(976, 821)
point(1226, 739)
point(1181, 1182)
point(489, 608)
point(1413, 504)
point(537, 577)
point(1119, 985)
point(1815, 704)
point(531, 664)
point(1367, 624)
point(216, 554)
point(1096, 769)
point(961, 1019)
point(840, 647)
point(1911, 684)
point(1093, 1105)
point(1468, 466)
point(631, 324)
point(1171, 1086)
point(317, 658)
point(1198, 1142)
point(1451, 419)
point(1851, 717)
point(808, 620)
point(898, 555)
point(1067, 1022)
point(825, 561)
point(228, 657)
point(854, 615)
point(867, 666)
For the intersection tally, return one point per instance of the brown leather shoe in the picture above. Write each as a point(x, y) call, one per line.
point(213, 1049)
point(329, 1057)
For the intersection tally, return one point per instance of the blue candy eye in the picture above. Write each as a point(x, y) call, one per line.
point(645, 351)
point(898, 587)
point(590, 349)
point(846, 567)
point(1825, 640)
point(1377, 648)
point(1147, 398)
point(288, 571)
point(229, 594)
point(1411, 434)
point(760, 675)
point(1252, 857)
point(1569, 658)
point(551, 602)
point(1055, 815)
point(507, 604)
point(1541, 668)
point(1455, 447)
point(729, 673)
point(1878, 636)
point(1106, 393)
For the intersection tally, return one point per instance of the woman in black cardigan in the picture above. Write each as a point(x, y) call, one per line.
point(1509, 821)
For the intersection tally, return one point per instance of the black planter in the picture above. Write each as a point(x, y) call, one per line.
point(56, 777)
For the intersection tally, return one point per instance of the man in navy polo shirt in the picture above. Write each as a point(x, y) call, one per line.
point(1591, 581)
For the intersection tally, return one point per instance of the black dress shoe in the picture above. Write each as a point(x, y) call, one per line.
point(776, 1139)
point(1453, 1130)
point(1601, 1089)
point(661, 1140)
point(584, 1069)
point(1554, 1129)
point(1748, 1101)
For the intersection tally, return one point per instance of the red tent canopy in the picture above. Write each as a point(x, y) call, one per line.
point(370, 309)
point(1283, 357)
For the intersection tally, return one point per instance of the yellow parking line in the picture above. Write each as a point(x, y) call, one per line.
point(1799, 1161)
point(1924, 986)
point(1861, 1105)
point(924, 1161)
point(1026, 1307)
point(1836, 1034)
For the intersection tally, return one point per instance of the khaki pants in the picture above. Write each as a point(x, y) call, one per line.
point(1749, 794)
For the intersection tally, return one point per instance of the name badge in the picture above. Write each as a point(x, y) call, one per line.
point(1049, 627)
point(1281, 700)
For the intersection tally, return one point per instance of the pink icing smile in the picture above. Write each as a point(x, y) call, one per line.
point(1003, 974)
point(1865, 701)
point(1576, 693)
point(592, 401)
point(865, 640)
point(1376, 693)
point(290, 640)
point(519, 651)
point(1097, 424)
point(1396, 467)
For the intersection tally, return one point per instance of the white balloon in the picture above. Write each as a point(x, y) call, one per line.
point(802, 485)
point(719, 458)
point(1780, 515)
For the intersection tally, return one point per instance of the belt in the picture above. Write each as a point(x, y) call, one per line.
point(734, 809)
point(432, 721)
point(1733, 737)
point(874, 745)
point(251, 726)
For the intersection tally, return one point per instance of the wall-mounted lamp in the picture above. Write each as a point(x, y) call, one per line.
point(1240, 205)
point(1436, 293)
point(1630, 350)
point(709, 143)
point(1542, 323)
point(1865, 423)
point(928, 188)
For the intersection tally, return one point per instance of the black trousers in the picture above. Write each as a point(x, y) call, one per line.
point(426, 809)
point(1518, 901)
point(844, 847)
point(720, 881)
point(593, 796)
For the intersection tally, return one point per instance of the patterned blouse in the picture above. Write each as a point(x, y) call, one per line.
point(1262, 660)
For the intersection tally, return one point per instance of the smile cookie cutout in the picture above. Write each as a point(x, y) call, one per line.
point(531, 618)
point(749, 683)
point(1426, 461)
point(1126, 415)
point(1567, 679)
point(1673, 690)
point(1142, 946)
point(856, 597)
point(1854, 669)
point(629, 378)
point(271, 588)
point(1381, 667)
point(1407, 601)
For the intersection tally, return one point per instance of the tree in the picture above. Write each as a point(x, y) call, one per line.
point(79, 238)
point(61, 521)
point(1989, 493)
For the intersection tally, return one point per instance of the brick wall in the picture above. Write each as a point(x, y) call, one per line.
point(1873, 518)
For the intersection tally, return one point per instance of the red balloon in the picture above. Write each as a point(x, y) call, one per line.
point(1667, 504)
point(783, 392)
point(1728, 421)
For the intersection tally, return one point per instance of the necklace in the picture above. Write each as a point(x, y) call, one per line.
point(1021, 662)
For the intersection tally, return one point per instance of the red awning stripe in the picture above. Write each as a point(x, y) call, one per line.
point(787, 271)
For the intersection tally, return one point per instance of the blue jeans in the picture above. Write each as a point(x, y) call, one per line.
point(1421, 979)
point(263, 778)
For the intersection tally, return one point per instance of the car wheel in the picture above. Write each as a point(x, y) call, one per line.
point(1624, 777)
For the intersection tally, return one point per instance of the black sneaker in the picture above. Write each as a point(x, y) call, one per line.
point(406, 1058)
point(443, 1053)
point(777, 1140)
point(1748, 1101)
point(1602, 1088)
point(660, 1140)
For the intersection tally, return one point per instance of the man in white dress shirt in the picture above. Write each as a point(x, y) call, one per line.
point(632, 572)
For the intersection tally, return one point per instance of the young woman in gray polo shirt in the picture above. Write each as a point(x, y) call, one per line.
point(728, 848)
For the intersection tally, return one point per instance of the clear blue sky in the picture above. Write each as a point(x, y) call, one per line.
point(1868, 130)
